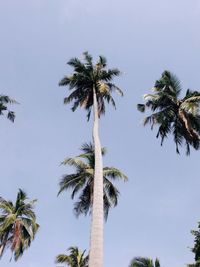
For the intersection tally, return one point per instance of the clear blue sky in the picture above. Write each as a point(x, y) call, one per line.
point(160, 204)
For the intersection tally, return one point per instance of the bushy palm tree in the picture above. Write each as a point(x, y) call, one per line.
point(76, 258)
point(91, 86)
point(4, 102)
point(144, 262)
point(174, 115)
point(17, 224)
point(82, 181)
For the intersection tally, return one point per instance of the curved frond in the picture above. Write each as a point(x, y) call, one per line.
point(111, 195)
point(179, 117)
point(141, 262)
point(114, 173)
point(17, 224)
point(71, 181)
point(85, 77)
point(81, 181)
point(75, 258)
point(62, 258)
point(75, 162)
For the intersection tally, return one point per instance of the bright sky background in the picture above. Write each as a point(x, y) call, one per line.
point(160, 204)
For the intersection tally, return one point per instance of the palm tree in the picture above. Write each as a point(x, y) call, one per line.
point(144, 262)
point(76, 258)
point(82, 181)
point(178, 116)
point(4, 101)
point(17, 224)
point(91, 86)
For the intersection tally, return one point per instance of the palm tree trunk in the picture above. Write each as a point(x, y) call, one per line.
point(2, 249)
point(191, 131)
point(96, 237)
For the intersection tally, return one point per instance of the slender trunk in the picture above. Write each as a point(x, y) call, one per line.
point(96, 238)
point(191, 131)
point(3, 244)
point(2, 249)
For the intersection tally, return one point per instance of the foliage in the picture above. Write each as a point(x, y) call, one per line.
point(144, 262)
point(196, 248)
point(4, 102)
point(76, 258)
point(83, 179)
point(17, 224)
point(173, 115)
point(87, 76)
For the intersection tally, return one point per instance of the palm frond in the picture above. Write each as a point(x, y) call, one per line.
point(75, 162)
point(70, 181)
point(85, 77)
point(102, 61)
point(114, 173)
point(81, 182)
point(141, 107)
point(141, 262)
point(17, 224)
point(179, 117)
point(62, 258)
point(111, 195)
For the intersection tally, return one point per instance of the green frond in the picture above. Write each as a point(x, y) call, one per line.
point(141, 107)
point(151, 97)
point(75, 258)
point(85, 77)
point(11, 116)
point(102, 61)
point(71, 181)
point(7, 100)
point(88, 59)
point(141, 262)
point(17, 224)
point(75, 162)
point(169, 83)
point(4, 102)
point(179, 117)
point(110, 99)
point(84, 203)
point(88, 149)
point(80, 183)
point(62, 258)
point(157, 263)
point(6, 207)
point(111, 195)
point(114, 173)
point(115, 88)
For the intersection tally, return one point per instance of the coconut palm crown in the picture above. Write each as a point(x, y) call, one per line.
point(4, 102)
point(81, 182)
point(76, 258)
point(17, 224)
point(144, 262)
point(85, 78)
point(173, 115)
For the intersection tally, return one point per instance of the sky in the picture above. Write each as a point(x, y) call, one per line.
point(159, 205)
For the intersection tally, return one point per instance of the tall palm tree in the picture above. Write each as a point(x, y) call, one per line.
point(82, 181)
point(17, 224)
point(144, 262)
point(174, 115)
point(76, 258)
point(4, 102)
point(91, 86)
